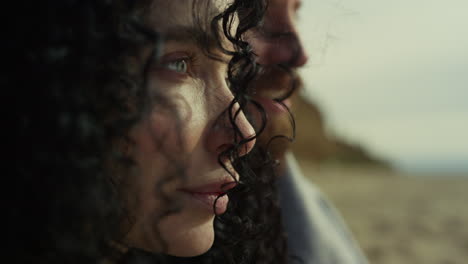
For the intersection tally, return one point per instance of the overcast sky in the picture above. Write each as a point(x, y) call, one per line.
point(392, 76)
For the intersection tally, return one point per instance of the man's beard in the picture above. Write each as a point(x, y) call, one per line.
point(275, 89)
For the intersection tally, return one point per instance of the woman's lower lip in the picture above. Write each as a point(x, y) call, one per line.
point(209, 199)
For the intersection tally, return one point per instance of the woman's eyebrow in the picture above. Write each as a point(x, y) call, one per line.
point(191, 34)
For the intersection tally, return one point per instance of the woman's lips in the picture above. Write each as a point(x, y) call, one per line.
point(211, 199)
point(212, 196)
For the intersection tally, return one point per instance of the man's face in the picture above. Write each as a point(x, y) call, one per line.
point(279, 51)
point(277, 40)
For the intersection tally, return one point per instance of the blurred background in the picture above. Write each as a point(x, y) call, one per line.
point(383, 120)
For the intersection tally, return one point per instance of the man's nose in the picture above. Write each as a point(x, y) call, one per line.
point(284, 48)
point(294, 54)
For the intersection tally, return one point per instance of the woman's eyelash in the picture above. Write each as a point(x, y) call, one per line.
point(184, 63)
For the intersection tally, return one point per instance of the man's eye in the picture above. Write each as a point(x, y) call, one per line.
point(180, 66)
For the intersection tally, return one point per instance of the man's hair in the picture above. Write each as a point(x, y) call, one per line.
point(73, 96)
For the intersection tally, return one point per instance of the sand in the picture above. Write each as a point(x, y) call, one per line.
point(400, 218)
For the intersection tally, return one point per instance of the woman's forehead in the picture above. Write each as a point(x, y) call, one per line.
point(164, 15)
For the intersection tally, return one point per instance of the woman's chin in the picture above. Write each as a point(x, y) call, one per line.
point(193, 242)
point(181, 238)
point(192, 250)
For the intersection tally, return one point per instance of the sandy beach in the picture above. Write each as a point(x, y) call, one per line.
point(400, 218)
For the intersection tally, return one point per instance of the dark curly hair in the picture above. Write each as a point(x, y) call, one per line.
point(73, 95)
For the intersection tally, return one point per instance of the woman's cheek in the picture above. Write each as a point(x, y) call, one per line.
point(165, 131)
point(179, 113)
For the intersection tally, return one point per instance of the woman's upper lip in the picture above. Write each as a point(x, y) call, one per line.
point(218, 187)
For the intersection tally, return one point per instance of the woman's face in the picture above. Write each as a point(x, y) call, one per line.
point(180, 138)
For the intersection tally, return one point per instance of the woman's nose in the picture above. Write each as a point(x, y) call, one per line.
point(245, 129)
point(232, 129)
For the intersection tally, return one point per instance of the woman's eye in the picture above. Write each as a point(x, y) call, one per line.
point(180, 66)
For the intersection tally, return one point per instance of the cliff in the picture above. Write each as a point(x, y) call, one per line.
point(313, 142)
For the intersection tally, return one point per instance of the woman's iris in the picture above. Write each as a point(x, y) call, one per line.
point(180, 66)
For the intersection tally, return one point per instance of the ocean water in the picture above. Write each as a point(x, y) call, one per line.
point(435, 167)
